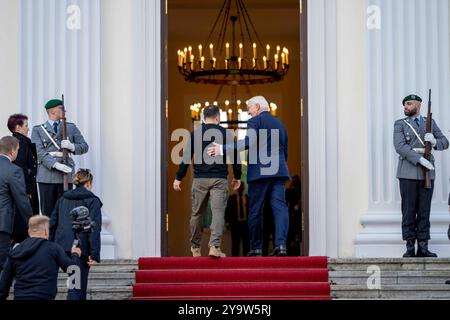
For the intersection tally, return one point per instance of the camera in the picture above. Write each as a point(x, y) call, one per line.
point(81, 222)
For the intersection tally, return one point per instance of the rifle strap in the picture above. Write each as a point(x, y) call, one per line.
point(415, 132)
point(51, 139)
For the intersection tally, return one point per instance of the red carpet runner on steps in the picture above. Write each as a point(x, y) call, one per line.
point(267, 278)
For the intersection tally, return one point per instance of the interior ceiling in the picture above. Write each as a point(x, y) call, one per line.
point(192, 20)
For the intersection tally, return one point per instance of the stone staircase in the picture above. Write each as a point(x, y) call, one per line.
point(401, 279)
point(110, 280)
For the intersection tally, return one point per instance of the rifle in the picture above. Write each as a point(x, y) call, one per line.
point(428, 147)
point(65, 159)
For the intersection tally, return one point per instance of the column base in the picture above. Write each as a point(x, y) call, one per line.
point(382, 237)
point(108, 248)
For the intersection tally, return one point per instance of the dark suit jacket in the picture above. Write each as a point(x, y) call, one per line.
point(260, 168)
point(13, 196)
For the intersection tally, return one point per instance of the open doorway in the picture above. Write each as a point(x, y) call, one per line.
point(189, 22)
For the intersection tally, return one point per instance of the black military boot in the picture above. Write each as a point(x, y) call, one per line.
point(422, 250)
point(410, 249)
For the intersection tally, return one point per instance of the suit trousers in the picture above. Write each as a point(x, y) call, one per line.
point(80, 294)
point(274, 191)
point(416, 206)
point(5, 247)
point(49, 194)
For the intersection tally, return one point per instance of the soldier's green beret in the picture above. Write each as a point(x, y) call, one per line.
point(53, 104)
point(412, 97)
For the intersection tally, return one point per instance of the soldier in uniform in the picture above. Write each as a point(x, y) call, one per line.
point(49, 145)
point(409, 141)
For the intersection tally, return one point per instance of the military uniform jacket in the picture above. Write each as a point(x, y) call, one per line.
point(408, 147)
point(44, 147)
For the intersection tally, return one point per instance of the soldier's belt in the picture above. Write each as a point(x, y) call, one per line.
point(57, 154)
point(419, 150)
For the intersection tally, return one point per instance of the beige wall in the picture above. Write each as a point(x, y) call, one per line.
point(352, 122)
point(9, 55)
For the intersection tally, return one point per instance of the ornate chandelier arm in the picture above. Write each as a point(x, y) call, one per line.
point(246, 14)
point(219, 93)
point(223, 29)
point(217, 20)
point(240, 13)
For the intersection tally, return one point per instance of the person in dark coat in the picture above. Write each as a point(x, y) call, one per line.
point(61, 226)
point(13, 197)
point(236, 215)
point(27, 160)
point(34, 265)
point(293, 200)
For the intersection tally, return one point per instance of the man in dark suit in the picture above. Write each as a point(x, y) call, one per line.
point(13, 194)
point(267, 142)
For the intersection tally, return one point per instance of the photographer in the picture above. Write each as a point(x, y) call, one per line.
point(34, 264)
point(62, 223)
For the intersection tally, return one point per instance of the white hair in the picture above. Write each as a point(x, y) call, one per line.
point(261, 101)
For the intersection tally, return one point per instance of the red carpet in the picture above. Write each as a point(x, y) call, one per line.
point(232, 279)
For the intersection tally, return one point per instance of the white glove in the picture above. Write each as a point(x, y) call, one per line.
point(429, 137)
point(66, 144)
point(62, 167)
point(427, 164)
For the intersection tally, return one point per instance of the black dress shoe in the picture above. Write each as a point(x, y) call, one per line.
point(279, 251)
point(255, 253)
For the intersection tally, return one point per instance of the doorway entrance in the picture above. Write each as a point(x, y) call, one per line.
point(188, 22)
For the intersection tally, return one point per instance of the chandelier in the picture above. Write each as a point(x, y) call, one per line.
point(233, 54)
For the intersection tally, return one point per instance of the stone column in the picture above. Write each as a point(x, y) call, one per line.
point(9, 61)
point(130, 82)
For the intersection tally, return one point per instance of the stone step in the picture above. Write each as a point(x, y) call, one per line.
point(104, 279)
point(396, 264)
point(102, 293)
point(392, 292)
point(97, 293)
point(390, 277)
